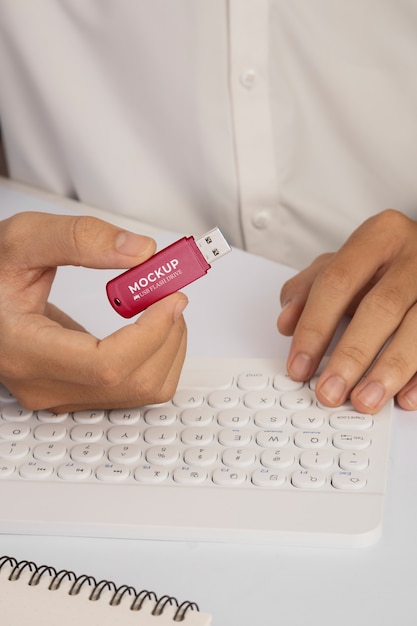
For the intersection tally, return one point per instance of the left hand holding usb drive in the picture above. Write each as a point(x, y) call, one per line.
point(47, 360)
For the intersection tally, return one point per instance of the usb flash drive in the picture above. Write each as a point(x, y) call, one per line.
point(167, 271)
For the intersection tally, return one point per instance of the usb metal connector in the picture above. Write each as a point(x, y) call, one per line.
point(213, 245)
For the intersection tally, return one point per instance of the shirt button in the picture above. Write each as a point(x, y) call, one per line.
point(248, 78)
point(261, 219)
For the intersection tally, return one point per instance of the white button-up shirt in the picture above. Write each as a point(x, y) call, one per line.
point(284, 122)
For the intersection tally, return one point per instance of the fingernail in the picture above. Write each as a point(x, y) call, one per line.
point(411, 398)
point(371, 395)
point(333, 390)
point(132, 244)
point(300, 367)
point(181, 304)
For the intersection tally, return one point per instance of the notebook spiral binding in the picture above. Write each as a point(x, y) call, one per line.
point(97, 588)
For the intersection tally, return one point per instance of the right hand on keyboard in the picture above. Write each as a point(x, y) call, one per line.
point(45, 361)
point(372, 278)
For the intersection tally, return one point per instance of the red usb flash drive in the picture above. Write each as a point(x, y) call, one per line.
point(167, 271)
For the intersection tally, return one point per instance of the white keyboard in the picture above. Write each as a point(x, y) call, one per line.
point(242, 453)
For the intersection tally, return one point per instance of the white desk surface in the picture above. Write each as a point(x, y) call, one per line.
point(233, 314)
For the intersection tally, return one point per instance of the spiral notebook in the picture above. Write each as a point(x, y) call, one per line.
point(32, 595)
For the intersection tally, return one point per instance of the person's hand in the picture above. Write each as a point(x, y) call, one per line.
point(373, 278)
point(46, 359)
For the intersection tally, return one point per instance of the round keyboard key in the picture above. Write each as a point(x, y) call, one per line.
point(231, 437)
point(14, 432)
point(272, 438)
point(87, 452)
point(161, 416)
point(6, 469)
point(228, 477)
point(351, 420)
point(13, 450)
point(283, 382)
point(347, 406)
point(123, 434)
point(14, 412)
point(354, 460)
point(234, 417)
point(50, 451)
point(160, 435)
point(119, 417)
point(112, 473)
point(74, 471)
point(36, 470)
point(51, 417)
point(186, 475)
point(202, 416)
point(249, 381)
point(124, 453)
point(348, 480)
point(309, 418)
point(197, 436)
point(200, 456)
point(150, 474)
point(50, 432)
point(260, 399)
point(86, 433)
point(308, 479)
point(239, 457)
point(272, 418)
point(224, 399)
point(352, 440)
point(310, 439)
point(296, 400)
point(162, 455)
point(277, 458)
point(266, 477)
point(317, 459)
point(188, 398)
point(88, 417)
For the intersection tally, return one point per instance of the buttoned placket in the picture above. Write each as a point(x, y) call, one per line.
point(251, 114)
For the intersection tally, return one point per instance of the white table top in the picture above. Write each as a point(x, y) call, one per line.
point(241, 585)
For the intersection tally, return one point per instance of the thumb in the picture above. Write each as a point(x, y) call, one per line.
point(43, 240)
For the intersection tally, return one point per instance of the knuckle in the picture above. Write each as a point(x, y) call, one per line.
point(323, 259)
point(386, 301)
point(354, 353)
point(398, 367)
point(394, 218)
point(336, 278)
point(107, 374)
point(391, 225)
point(316, 333)
point(82, 228)
point(14, 234)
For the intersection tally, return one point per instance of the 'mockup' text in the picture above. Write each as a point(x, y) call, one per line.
point(154, 276)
